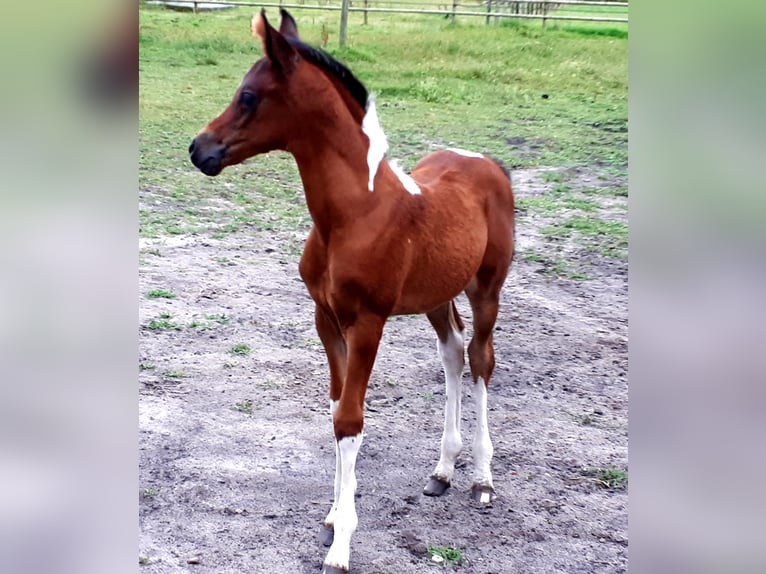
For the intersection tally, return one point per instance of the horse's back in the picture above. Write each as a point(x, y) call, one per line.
point(465, 172)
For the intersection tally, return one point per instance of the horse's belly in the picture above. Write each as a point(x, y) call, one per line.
point(440, 275)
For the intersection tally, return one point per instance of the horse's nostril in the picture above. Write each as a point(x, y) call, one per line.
point(191, 146)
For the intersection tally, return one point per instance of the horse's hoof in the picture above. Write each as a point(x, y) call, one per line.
point(333, 570)
point(435, 487)
point(483, 494)
point(326, 535)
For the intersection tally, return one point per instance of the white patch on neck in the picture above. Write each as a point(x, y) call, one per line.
point(464, 152)
point(408, 183)
point(378, 142)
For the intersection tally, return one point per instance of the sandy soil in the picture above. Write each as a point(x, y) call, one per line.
point(237, 455)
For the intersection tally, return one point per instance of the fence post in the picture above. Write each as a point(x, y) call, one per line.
point(545, 11)
point(195, 7)
point(343, 22)
point(366, 3)
point(489, 11)
point(454, 9)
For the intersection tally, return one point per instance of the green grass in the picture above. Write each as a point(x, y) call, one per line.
point(160, 294)
point(240, 349)
point(446, 555)
point(245, 407)
point(609, 478)
point(609, 238)
point(163, 323)
point(437, 84)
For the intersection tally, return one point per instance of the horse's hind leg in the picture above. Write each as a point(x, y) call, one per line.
point(484, 295)
point(449, 330)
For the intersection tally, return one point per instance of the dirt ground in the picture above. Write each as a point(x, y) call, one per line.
point(236, 451)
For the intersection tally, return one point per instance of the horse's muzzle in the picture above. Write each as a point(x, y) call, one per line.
point(207, 154)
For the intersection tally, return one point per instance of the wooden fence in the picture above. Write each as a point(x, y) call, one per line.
point(490, 10)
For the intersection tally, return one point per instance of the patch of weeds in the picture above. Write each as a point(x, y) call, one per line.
point(617, 191)
point(309, 343)
point(163, 323)
point(577, 276)
point(245, 407)
point(269, 384)
point(534, 257)
point(553, 177)
point(446, 555)
point(228, 365)
point(160, 294)
point(561, 188)
point(151, 492)
point(151, 251)
point(391, 382)
point(609, 478)
point(539, 205)
point(145, 366)
point(581, 204)
point(241, 349)
point(205, 325)
point(175, 375)
point(143, 560)
point(555, 267)
point(611, 237)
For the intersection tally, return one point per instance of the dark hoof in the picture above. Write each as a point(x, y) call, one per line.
point(435, 487)
point(326, 535)
point(333, 570)
point(483, 494)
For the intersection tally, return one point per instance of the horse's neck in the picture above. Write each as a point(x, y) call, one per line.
point(334, 172)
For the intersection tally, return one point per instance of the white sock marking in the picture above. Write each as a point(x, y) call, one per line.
point(408, 183)
point(330, 518)
point(465, 152)
point(378, 142)
point(482, 445)
point(453, 359)
point(345, 513)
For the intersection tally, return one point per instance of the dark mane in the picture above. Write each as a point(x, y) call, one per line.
point(335, 68)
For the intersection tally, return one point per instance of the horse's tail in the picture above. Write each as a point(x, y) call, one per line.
point(505, 169)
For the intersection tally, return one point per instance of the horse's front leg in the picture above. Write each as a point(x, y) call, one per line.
point(362, 339)
point(335, 348)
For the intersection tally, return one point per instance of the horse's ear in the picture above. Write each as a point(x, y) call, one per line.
point(275, 45)
point(287, 27)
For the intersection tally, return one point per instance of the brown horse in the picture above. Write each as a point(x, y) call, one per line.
point(383, 243)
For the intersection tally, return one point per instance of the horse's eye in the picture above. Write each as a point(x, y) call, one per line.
point(247, 99)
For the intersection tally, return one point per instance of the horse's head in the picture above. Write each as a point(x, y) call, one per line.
point(254, 122)
point(277, 100)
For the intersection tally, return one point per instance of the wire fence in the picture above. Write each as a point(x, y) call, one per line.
point(491, 10)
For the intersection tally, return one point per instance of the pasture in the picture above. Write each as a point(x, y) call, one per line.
point(235, 435)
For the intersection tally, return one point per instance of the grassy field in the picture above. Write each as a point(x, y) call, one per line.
point(532, 97)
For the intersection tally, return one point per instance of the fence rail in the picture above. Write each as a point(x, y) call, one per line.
point(545, 10)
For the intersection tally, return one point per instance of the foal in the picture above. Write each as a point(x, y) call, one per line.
point(382, 243)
